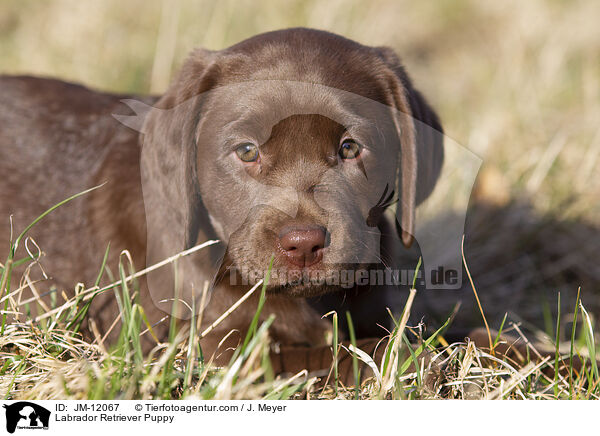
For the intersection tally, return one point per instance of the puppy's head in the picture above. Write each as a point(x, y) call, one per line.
point(290, 145)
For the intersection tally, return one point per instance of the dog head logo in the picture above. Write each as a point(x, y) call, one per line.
point(26, 415)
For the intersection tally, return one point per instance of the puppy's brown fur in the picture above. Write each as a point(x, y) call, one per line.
point(179, 183)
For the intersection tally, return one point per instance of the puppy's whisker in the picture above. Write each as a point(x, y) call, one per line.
point(370, 250)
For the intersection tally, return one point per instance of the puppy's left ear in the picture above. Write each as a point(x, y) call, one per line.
point(421, 144)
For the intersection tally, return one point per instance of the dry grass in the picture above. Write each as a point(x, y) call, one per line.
point(48, 361)
point(44, 357)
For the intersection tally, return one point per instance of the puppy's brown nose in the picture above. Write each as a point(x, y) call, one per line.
point(303, 246)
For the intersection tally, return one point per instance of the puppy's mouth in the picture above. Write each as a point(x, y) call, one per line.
point(306, 282)
point(303, 289)
point(297, 282)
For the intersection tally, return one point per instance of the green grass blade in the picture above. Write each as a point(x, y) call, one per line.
point(572, 347)
point(355, 369)
point(336, 345)
point(500, 330)
point(424, 345)
point(556, 349)
point(261, 302)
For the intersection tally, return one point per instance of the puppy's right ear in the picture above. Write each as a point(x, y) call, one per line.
point(168, 159)
point(174, 211)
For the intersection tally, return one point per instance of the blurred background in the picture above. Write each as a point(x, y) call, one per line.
point(515, 82)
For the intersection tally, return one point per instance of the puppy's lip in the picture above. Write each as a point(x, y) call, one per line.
point(305, 277)
point(304, 271)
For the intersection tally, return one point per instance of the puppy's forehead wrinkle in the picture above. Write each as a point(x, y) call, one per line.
point(311, 126)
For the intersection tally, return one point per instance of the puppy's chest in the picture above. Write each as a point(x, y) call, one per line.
point(296, 323)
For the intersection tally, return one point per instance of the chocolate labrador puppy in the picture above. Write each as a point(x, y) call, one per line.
point(292, 148)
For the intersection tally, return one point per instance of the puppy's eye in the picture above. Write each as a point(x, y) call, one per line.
point(247, 152)
point(350, 149)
